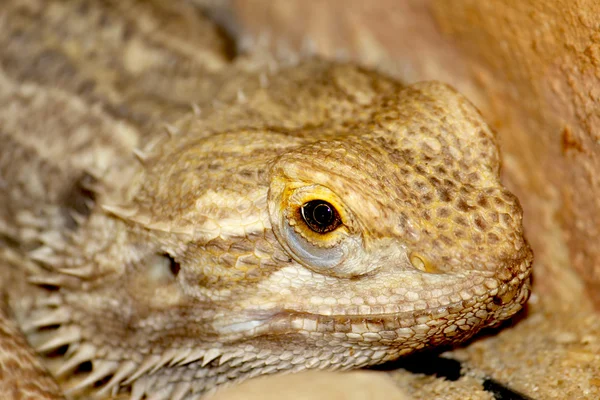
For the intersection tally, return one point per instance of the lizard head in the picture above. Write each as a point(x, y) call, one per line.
point(378, 228)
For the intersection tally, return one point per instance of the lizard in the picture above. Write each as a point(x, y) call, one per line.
point(174, 220)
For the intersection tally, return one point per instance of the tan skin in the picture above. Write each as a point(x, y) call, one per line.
point(325, 218)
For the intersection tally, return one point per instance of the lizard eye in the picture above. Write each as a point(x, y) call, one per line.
point(320, 216)
point(315, 226)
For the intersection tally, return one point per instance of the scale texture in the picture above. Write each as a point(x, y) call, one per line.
point(173, 220)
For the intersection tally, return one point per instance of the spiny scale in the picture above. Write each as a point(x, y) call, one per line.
point(52, 239)
point(195, 355)
point(85, 352)
point(226, 357)
point(146, 365)
point(77, 217)
point(78, 271)
point(172, 130)
point(124, 370)
point(241, 96)
point(163, 393)
point(165, 359)
point(138, 388)
point(210, 355)
point(196, 109)
point(101, 369)
point(45, 255)
point(140, 156)
point(63, 336)
point(49, 279)
point(46, 317)
point(180, 356)
point(181, 390)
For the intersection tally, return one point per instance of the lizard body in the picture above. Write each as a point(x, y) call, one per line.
point(321, 217)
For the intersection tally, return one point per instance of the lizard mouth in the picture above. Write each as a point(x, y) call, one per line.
point(407, 325)
point(440, 318)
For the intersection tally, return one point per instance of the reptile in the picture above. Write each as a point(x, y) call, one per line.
point(176, 217)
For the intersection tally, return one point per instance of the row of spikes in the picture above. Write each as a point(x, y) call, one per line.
point(122, 373)
point(172, 130)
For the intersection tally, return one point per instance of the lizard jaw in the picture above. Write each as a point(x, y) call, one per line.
point(394, 331)
point(400, 332)
point(403, 322)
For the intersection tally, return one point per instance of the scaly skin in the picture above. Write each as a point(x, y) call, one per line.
point(187, 264)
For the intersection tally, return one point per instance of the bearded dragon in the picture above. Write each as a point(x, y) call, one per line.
point(173, 220)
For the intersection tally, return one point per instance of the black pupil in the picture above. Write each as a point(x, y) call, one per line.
point(320, 216)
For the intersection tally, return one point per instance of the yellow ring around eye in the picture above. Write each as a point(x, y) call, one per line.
point(295, 199)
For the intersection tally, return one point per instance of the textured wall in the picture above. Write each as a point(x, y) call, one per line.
point(533, 68)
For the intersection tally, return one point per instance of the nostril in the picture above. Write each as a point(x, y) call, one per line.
point(418, 262)
point(506, 297)
point(422, 263)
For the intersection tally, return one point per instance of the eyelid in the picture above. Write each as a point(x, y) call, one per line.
point(312, 255)
point(329, 253)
